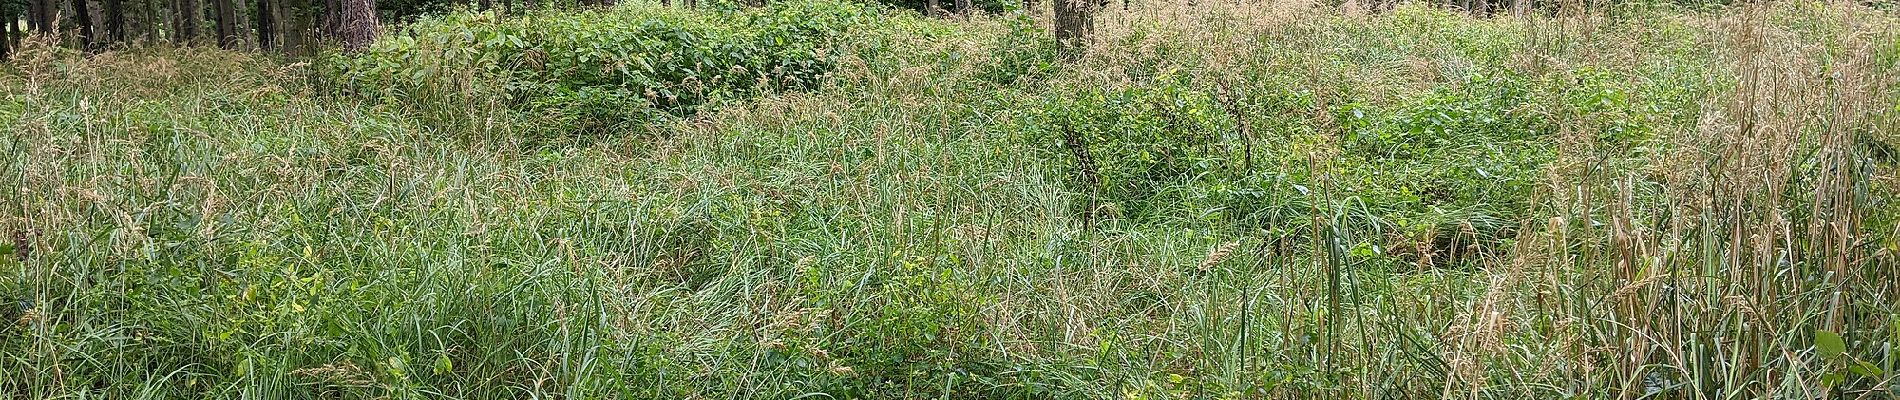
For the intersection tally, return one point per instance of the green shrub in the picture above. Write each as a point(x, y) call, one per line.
point(1025, 53)
point(595, 71)
point(1464, 159)
point(991, 6)
point(1131, 143)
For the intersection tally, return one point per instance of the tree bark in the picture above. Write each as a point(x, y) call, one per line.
point(932, 7)
point(265, 29)
point(295, 18)
point(188, 14)
point(963, 8)
point(1075, 23)
point(227, 23)
point(331, 27)
point(145, 24)
point(42, 19)
point(32, 15)
point(359, 24)
point(115, 21)
point(281, 22)
point(6, 33)
point(82, 14)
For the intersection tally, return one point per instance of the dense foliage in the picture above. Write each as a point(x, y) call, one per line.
point(824, 199)
point(596, 71)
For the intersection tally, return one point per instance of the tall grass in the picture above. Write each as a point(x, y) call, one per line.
point(1268, 200)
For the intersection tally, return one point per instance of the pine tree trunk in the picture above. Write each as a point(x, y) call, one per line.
point(1074, 25)
point(331, 27)
point(82, 14)
point(280, 22)
point(32, 14)
point(115, 21)
point(49, 19)
point(296, 17)
point(6, 33)
point(265, 30)
point(359, 24)
point(189, 14)
point(147, 21)
point(227, 23)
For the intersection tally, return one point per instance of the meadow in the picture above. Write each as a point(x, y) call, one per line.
point(826, 199)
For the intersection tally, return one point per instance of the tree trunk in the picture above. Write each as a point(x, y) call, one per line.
point(33, 15)
point(359, 24)
point(6, 33)
point(42, 19)
point(146, 23)
point(931, 7)
point(115, 21)
point(331, 27)
point(82, 14)
point(295, 18)
point(282, 31)
point(963, 8)
point(227, 23)
point(264, 21)
point(1074, 25)
point(188, 14)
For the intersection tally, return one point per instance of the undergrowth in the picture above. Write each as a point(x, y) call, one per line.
point(825, 199)
point(599, 71)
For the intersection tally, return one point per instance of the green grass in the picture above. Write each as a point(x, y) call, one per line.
point(1286, 202)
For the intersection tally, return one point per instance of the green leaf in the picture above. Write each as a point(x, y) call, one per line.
point(1864, 368)
point(443, 365)
point(398, 368)
point(1829, 343)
